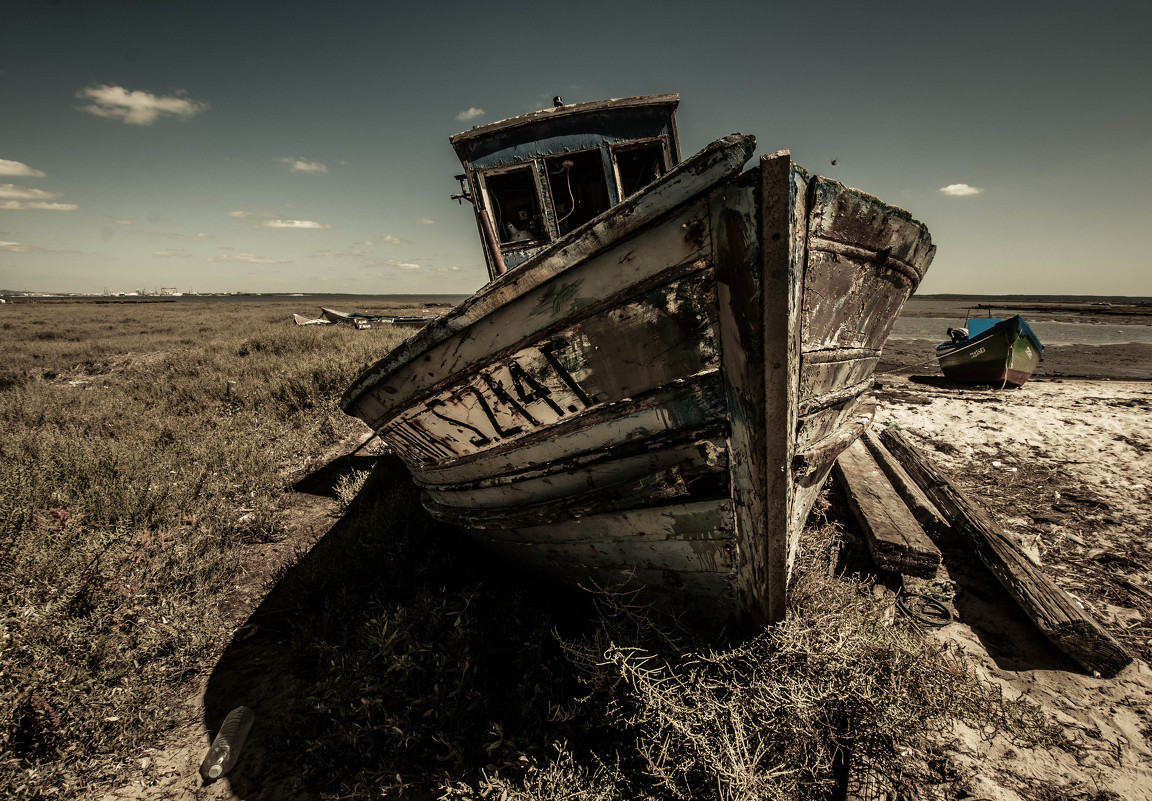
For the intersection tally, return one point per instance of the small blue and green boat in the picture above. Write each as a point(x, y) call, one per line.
point(990, 350)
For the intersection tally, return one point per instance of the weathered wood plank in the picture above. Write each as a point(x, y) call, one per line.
point(894, 537)
point(914, 498)
point(758, 287)
point(574, 476)
point(739, 294)
point(1061, 619)
point(822, 454)
point(619, 553)
point(665, 485)
point(707, 521)
point(685, 405)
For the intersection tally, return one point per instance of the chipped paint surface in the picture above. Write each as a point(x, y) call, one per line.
point(659, 396)
point(665, 334)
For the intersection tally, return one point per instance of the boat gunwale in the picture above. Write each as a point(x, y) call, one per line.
point(672, 274)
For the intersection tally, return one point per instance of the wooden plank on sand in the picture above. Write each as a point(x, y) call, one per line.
point(1060, 618)
point(914, 498)
point(894, 537)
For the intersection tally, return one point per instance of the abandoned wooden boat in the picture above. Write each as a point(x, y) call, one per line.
point(990, 350)
point(667, 360)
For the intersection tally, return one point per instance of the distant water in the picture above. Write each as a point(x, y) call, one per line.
point(928, 318)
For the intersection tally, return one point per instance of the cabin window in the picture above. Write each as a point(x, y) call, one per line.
point(579, 188)
point(638, 165)
point(515, 206)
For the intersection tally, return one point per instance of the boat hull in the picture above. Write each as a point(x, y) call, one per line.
point(1004, 355)
point(658, 398)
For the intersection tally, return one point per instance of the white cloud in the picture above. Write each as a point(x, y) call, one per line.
point(239, 214)
point(17, 247)
point(347, 254)
point(13, 192)
point(300, 165)
point(114, 221)
point(388, 239)
point(173, 252)
point(136, 107)
point(470, 114)
point(425, 221)
point(37, 204)
point(14, 197)
point(961, 190)
point(403, 265)
point(18, 168)
point(297, 224)
point(244, 258)
point(178, 236)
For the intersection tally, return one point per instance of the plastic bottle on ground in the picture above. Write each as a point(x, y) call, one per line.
point(225, 749)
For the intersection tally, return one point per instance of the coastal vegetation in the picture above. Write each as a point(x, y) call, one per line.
point(150, 450)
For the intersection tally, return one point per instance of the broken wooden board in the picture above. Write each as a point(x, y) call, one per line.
point(1058, 616)
point(917, 502)
point(895, 538)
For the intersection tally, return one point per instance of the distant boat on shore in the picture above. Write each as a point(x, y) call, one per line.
point(990, 350)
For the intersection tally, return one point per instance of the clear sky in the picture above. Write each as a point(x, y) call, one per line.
point(303, 147)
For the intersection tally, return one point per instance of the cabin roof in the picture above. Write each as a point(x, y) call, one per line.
point(569, 110)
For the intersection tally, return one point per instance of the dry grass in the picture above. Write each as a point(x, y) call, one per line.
point(129, 474)
point(408, 663)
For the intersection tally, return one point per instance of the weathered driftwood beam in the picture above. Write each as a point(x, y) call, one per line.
point(914, 498)
point(895, 538)
point(1055, 613)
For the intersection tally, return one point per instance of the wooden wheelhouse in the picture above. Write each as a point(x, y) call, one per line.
point(535, 178)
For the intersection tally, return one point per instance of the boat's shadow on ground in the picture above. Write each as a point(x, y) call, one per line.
point(273, 664)
point(940, 382)
point(1011, 640)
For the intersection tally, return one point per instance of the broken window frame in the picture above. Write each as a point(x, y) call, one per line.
point(610, 194)
point(491, 204)
point(639, 144)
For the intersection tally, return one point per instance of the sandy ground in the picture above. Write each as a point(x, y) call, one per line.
point(1064, 465)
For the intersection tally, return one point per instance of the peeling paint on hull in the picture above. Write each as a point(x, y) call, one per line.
point(659, 396)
